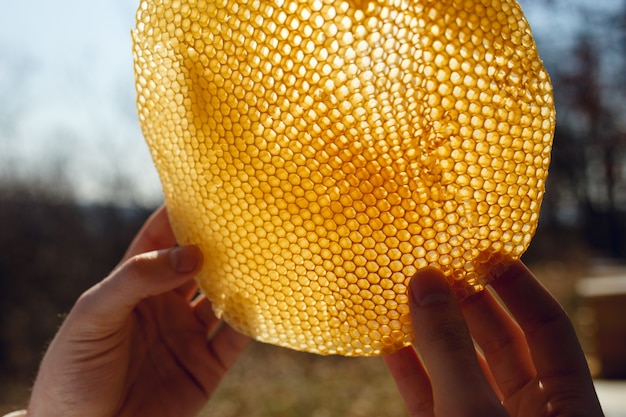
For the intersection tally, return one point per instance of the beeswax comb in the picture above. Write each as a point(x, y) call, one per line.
point(320, 152)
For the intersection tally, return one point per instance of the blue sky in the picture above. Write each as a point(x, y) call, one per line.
point(67, 93)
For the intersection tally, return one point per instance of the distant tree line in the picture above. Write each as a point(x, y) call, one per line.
point(51, 250)
point(587, 180)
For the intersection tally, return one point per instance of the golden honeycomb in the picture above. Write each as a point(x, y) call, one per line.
point(321, 151)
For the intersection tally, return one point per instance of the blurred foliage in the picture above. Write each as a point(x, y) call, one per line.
point(51, 250)
point(587, 183)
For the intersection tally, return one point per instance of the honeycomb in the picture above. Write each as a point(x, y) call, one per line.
point(320, 152)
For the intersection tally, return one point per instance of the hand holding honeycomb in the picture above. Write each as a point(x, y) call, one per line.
point(319, 152)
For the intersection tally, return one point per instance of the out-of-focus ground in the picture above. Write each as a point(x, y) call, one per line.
point(271, 381)
point(52, 251)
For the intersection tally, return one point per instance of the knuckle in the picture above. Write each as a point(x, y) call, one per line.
point(139, 265)
point(500, 343)
point(547, 322)
point(451, 335)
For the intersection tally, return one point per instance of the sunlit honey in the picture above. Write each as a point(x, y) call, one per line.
point(321, 152)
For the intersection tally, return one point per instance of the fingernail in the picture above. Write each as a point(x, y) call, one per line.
point(429, 287)
point(185, 258)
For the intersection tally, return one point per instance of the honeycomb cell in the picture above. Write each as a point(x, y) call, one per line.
point(319, 153)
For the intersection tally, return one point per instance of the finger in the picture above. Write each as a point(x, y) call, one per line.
point(189, 290)
point(155, 234)
point(218, 355)
point(550, 335)
point(226, 345)
point(412, 381)
point(447, 350)
point(109, 303)
point(203, 310)
point(501, 341)
point(487, 372)
point(562, 372)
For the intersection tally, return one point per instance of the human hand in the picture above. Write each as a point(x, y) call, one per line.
point(531, 363)
point(136, 343)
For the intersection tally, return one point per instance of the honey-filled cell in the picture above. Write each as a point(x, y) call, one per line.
point(320, 153)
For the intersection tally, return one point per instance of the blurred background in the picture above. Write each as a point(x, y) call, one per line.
point(76, 182)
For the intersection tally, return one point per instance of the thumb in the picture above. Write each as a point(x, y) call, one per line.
point(108, 304)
